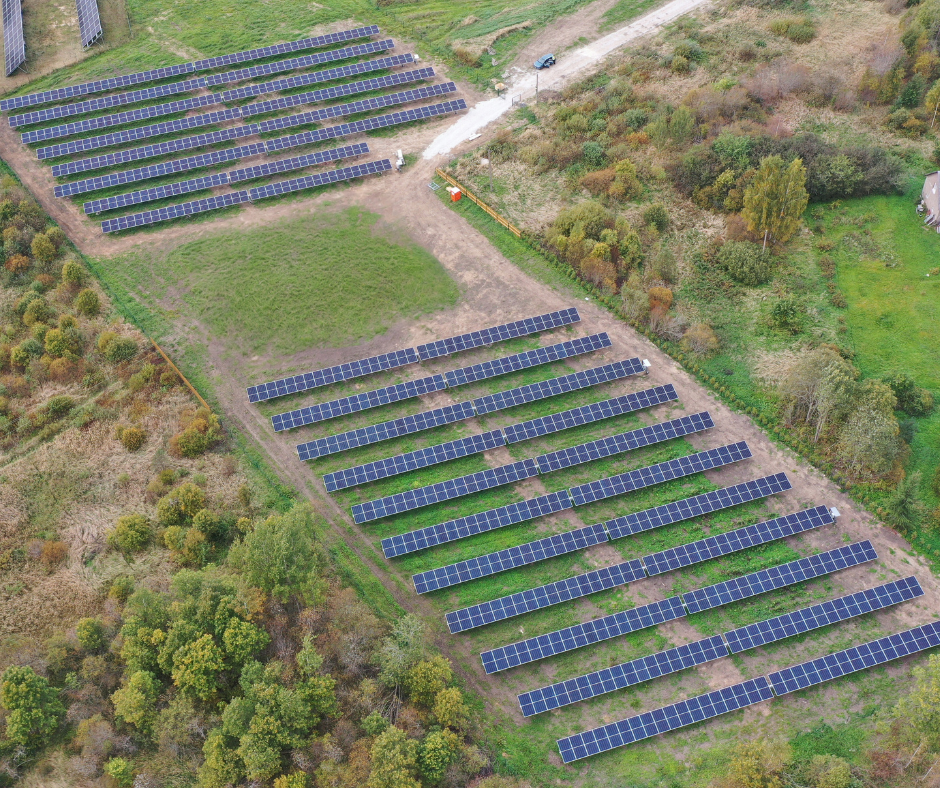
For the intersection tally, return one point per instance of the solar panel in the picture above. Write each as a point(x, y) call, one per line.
point(456, 377)
point(627, 674)
point(476, 523)
point(14, 45)
point(562, 385)
point(668, 718)
point(850, 660)
point(625, 441)
point(518, 328)
point(779, 576)
point(697, 505)
point(222, 179)
point(587, 414)
point(217, 157)
point(510, 558)
point(545, 596)
point(385, 431)
point(661, 472)
point(114, 83)
point(89, 22)
point(465, 410)
point(739, 539)
point(403, 463)
point(234, 198)
point(823, 614)
point(444, 491)
point(610, 577)
point(206, 100)
point(579, 635)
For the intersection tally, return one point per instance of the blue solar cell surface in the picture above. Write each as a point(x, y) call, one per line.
point(89, 22)
point(668, 718)
point(114, 83)
point(14, 45)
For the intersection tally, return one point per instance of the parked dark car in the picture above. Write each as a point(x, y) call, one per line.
point(546, 61)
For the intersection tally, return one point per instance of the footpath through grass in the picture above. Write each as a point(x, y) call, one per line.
point(325, 279)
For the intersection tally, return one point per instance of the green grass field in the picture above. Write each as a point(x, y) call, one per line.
point(326, 279)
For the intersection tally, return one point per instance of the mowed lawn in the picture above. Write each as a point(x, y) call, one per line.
point(325, 279)
point(893, 314)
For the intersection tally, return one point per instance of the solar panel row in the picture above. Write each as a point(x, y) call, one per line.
point(457, 377)
point(610, 577)
point(540, 549)
point(424, 496)
point(89, 22)
point(673, 660)
point(114, 83)
point(224, 178)
point(465, 410)
point(234, 198)
point(14, 45)
point(323, 377)
point(194, 102)
point(712, 704)
point(171, 89)
point(621, 623)
point(652, 723)
point(402, 463)
point(218, 157)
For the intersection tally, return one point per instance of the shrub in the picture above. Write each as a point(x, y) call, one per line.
point(598, 182)
point(120, 349)
point(38, 311)
point(660, 297)
point(657, 216)
point(53, 553)
point(121, 588)
point(593, 153)
point(17, 264)
point(680, 65)
point(700, 339)
point(787, 314)
point(43, 249)
point(745, 262)
point(133, 438)
point(56, 236)
point(88, 303)
point(189, 443)
point(131, 534)
point(63, 342)
point(73, 274)
point(798, 30)
point(467, 57)
point(912, 399)
point(121, 771)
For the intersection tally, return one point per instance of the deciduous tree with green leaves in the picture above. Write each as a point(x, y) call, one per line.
point(775, 200)
point(394, 761)
point(33, 706)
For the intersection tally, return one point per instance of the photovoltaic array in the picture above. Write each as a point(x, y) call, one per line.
point(567, 542)
point(403, 463)
point(197, 121)
point(487, 336)
point(89, 22)
point(628, 571)
point(652, 723)
point(226, 178)
point(699, 652)
point(14, 45)
point(712, 704)
point(546, 463)
point(234, 198)
point(451, 379)
point(621, 623)
point(254, 149)
point(208, 64)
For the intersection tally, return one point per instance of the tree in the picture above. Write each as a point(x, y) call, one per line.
point(903, 507)
point(90, 632)
point(819, 388)
point(427, 678)
point(920, 708)
point(196, 666)
point(450, 709)
point(869, 442)
point(292, 780)
point(33, 707)
point(400, 650)
point(88, 303)
point(394, 761)
point(243, 640)
point(132, 534)
point(136, 702)
point(121, 771)
point(437, 752)
point(282, 555)
point(775, 199)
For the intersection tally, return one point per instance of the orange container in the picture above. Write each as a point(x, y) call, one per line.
point(455, 195)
